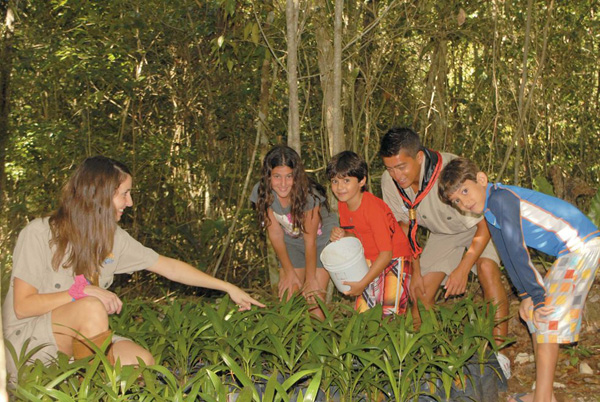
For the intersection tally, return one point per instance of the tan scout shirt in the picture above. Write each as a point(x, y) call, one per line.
point(32, 262)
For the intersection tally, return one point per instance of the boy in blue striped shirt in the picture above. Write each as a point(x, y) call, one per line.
point(519, 218)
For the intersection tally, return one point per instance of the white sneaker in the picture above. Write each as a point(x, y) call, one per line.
point(504, 363)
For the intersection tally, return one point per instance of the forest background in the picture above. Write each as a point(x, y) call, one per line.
point(190, 94)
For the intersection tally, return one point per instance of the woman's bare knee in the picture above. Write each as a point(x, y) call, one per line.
point(143, 354)
point(129, 352)
point(86, 316)
point(94, 314)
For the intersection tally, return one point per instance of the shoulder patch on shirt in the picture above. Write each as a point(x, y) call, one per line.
point(110, 259)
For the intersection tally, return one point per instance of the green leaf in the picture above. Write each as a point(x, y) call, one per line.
point(594, 213)
point(255, 34)
point(313, 387)
point(272, 387)
point(541, 184)
point(240, 374)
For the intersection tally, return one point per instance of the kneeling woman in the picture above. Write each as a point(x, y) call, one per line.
point(63, 265)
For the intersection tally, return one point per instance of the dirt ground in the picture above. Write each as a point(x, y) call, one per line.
point(572, 383)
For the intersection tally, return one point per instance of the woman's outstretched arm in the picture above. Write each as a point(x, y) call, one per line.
point(182, 272)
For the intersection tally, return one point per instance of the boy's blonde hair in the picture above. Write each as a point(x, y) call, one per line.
point(454, 174)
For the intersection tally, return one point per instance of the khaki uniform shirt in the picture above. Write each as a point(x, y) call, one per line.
point(32, 263)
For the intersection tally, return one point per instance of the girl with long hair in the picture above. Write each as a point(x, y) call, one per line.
point(293, 209)
point(63, 265)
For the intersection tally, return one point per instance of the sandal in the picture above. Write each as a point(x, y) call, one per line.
point(517, 397)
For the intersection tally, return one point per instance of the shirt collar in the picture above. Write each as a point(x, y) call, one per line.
point(489, 216)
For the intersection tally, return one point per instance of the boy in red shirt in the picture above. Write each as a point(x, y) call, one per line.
point(386, 247)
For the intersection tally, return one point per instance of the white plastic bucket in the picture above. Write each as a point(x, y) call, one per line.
point(344, 259)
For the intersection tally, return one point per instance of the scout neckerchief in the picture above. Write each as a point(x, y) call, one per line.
point(433, 166)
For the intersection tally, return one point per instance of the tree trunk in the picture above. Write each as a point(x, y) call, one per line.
point(3, 392)
point(330, 68)
point(337, 143)
point(266, 81)
point(519, 131)
point(6, 57)
point(5, 68)
point(521, 134)
point(266, 90)
point(293, 35)
point(521, 105)
point(325, 56)
point(435, 98)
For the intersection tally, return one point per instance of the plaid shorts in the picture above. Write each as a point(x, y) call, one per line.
point(567, 285)
point(390, 288)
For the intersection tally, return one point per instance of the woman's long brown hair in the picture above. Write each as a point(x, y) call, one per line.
point(303, 186)
point(83, 226)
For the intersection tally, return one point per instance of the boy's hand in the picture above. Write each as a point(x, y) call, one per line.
point(540, 314)
point(336, 234)
point(524, 309)
point(527, 312)
point(456, 284)
point(417, 284)
point(356, 288)
point(417, 287)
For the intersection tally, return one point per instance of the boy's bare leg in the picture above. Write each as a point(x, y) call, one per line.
point(493, 290)
point(546, 357)
point(431, 282)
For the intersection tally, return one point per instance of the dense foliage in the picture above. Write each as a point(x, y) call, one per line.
point(173, 89)
point(209, 352)
point(178, 91)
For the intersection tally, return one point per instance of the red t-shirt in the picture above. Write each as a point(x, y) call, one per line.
point(376, 227)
